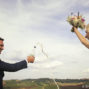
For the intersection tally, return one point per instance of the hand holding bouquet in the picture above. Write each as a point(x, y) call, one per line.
point(76, 21)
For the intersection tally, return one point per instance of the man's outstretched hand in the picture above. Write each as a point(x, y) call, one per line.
point(30, 59)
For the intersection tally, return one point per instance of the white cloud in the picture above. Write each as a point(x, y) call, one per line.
point(86, 71)
point(84, 3)
point(28, 25)
point(47, 64)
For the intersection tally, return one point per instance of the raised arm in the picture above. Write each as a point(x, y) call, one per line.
point(12, 67)
point(16, 66)
point(83, 40)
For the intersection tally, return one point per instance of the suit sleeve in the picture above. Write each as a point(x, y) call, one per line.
point(12, 67)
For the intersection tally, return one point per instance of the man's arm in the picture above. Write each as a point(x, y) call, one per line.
point(16, 66)
point(83, 40)
point(12, 67)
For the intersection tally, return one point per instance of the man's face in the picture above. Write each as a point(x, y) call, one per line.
point(1, 46)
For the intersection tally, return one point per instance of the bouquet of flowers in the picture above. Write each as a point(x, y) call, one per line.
point(76, 21)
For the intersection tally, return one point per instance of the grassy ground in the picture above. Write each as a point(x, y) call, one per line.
point(42, 84)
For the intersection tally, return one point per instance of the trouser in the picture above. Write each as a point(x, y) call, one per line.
point(1, 83)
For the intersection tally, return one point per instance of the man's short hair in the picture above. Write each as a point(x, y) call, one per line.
point(1, 39)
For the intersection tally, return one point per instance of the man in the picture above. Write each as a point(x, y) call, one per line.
point(11, 67)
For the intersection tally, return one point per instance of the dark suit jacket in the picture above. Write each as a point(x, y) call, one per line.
point(10, 68)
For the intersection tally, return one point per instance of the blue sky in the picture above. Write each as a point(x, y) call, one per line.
point(24, 23)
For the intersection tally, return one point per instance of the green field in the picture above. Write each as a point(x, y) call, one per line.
point(46, 84)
